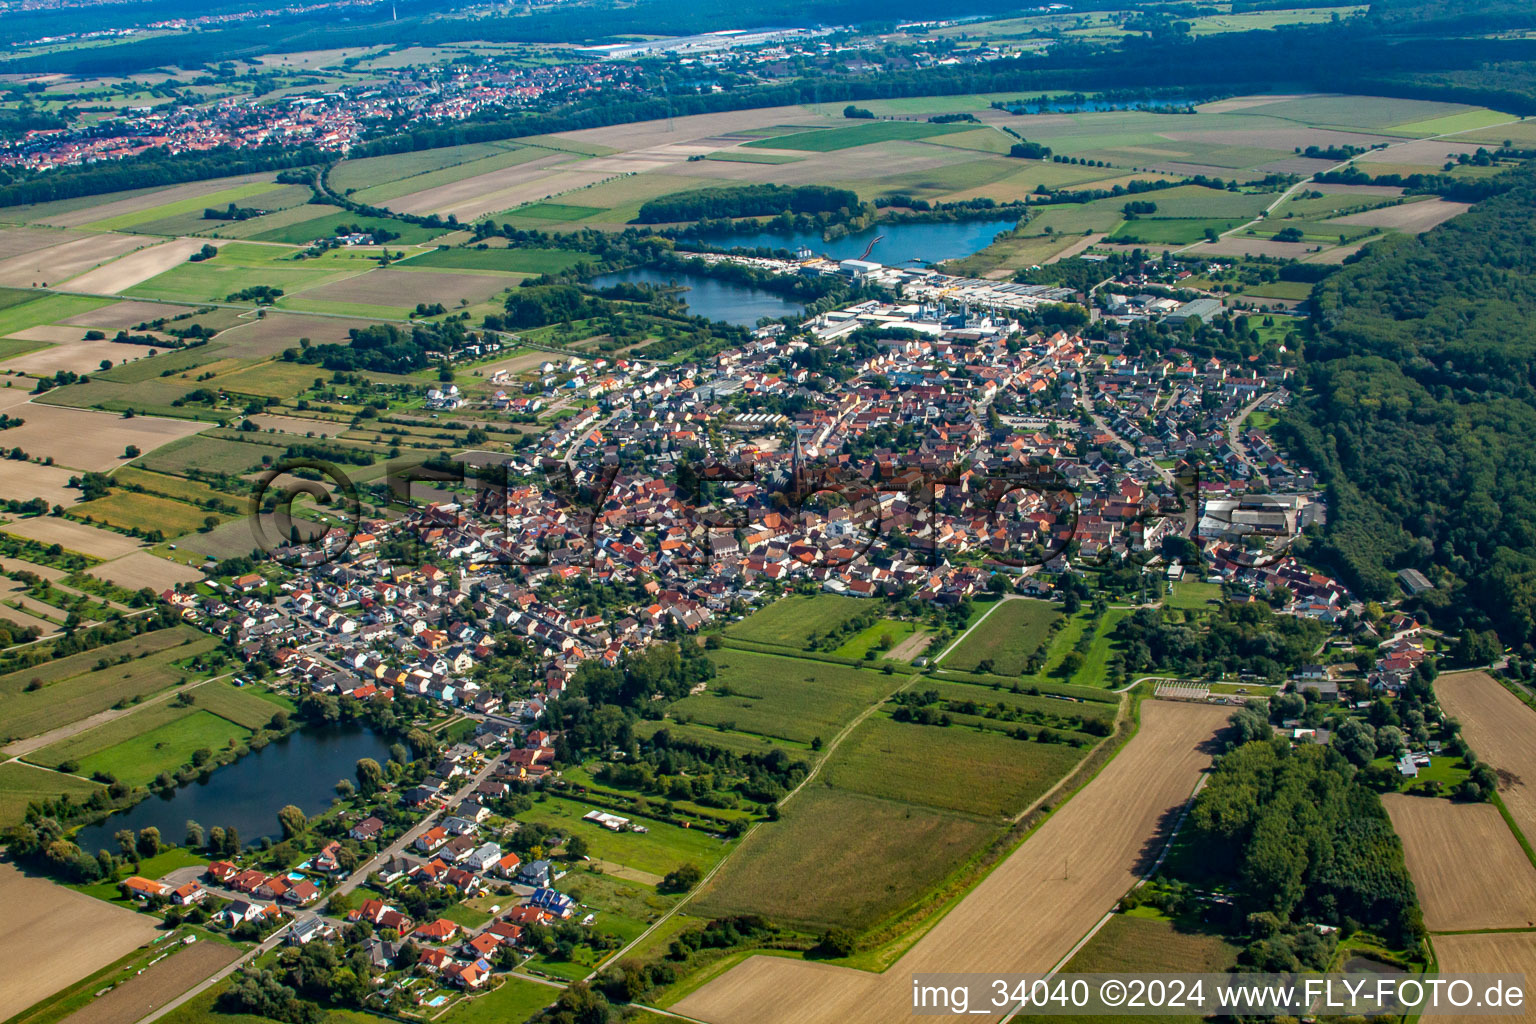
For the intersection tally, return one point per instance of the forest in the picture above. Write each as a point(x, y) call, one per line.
point(1299, 838)
point(1420, 415)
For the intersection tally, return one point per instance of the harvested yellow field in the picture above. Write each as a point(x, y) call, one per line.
point(1498, 728)
point(1496, 953)
point(55, 936)
point(1468, 867)
point(58, 263)
point(85, 439)
point(142, 569)
point(1410, 217)
point(73, 536)
point(1027, 914)
point(136, 268)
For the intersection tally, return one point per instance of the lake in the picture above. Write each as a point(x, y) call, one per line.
point(718, 300)
point(301, 768)
point(900, 242)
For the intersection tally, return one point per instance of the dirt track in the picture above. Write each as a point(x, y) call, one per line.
point(1468, 867)
point(1027, 914)
point(55, 936)
point(1498, 728)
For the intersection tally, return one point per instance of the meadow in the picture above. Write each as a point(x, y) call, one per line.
point(165, 748)
point(126, 510)
point(1006, 639)
point(20, 784)
point(792, 621)
point(656, 851)
point(841, 860)
point(795, 698)
point(970, 770)
point(75, 687)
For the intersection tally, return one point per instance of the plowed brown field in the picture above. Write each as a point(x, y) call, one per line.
point(1467, 865)
point(1027, 914)
point(1498, 728)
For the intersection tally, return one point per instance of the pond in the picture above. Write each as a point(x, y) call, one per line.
point(301, 768)
point(707, 297)
point(899, 242)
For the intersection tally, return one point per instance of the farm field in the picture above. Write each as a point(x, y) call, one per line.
point(1007, 638)
point(20, 784)
point(507, 261)
point(86, 439)
point(825, 140)
point(142, 569)
point(1027, 914)
point(956, 769)
point(855, 859)
point(1469, 870)
point(1496, 725)
point(794, 698)
point(60, 934)
point(1143, 941)
point(126, 510)
point(74, 688)
point(71, 256)
point(1492, 953)
point(73, 536)
point(155, 986)
point(793, 620)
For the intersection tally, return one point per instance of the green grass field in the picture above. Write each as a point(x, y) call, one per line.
point(325, 225)
point(210, 454)
point(1193, 594)
point(165, 748)
point(791, 621)
point(511, 261)
point(739, 156)
point(515, 999)
point(259, 194)
point(18, 316)
point(892, 630)
point(240, 265)
point(93, 741)
point(1007, 638)
point(555, 211)
point(827, 140)
point(843, 860)
point(20, 784)
point(1170, 231)
point(656, 851)
point(74, 687)
point(127, 510)
point(243, 705)
point(955, 769)
point(795, 698)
